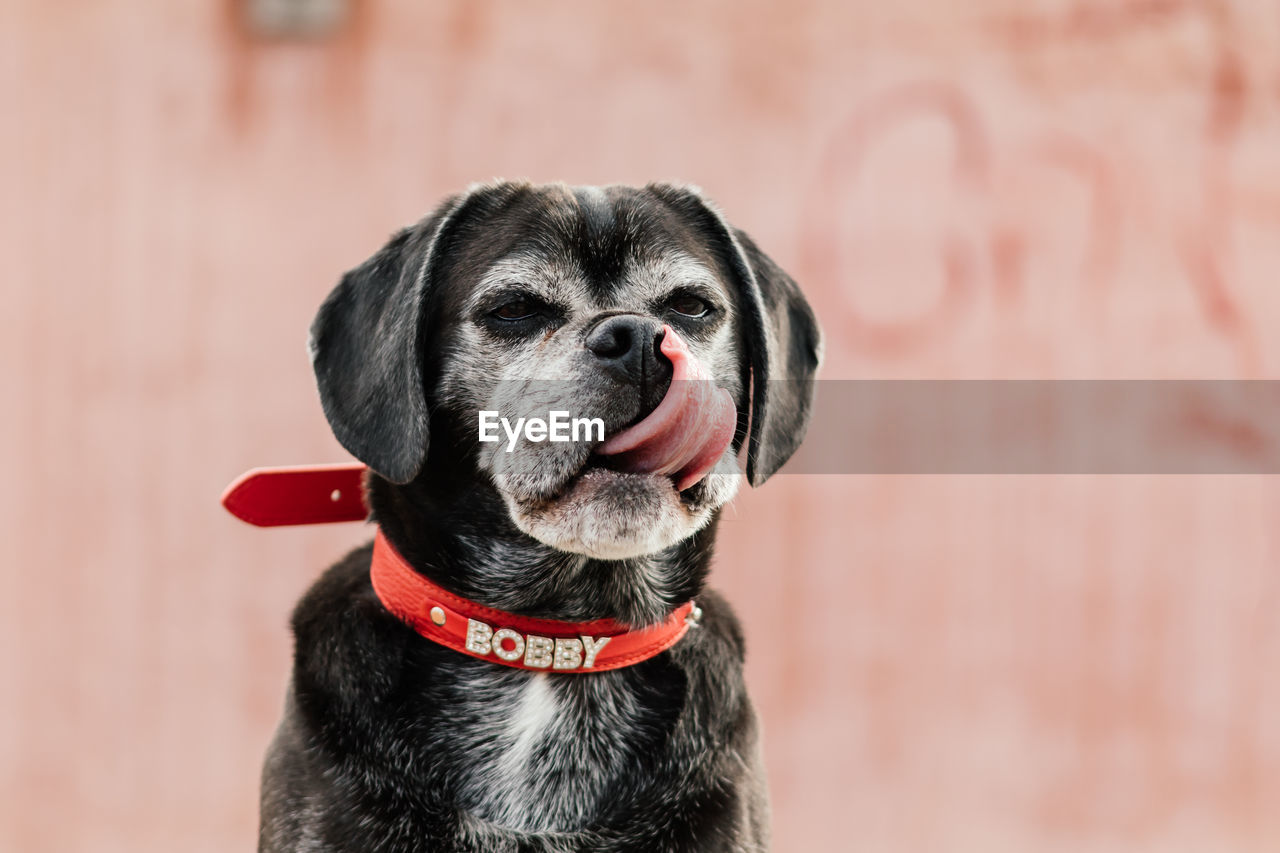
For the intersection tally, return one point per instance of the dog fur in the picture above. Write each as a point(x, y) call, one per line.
point(390, 742)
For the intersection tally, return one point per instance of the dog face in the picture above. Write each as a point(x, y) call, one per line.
point(523, 302)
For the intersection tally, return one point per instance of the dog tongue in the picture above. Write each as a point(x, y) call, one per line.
point(688, 431)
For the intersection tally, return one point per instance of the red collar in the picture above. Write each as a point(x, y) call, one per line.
point(508, 639)
point(270, 497)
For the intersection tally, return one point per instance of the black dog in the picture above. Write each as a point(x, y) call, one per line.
point(523, 299)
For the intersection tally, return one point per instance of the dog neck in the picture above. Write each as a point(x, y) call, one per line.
point(462, 539)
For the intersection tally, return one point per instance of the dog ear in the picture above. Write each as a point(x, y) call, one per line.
point(368, 346)
point(785, 346)
point(784, 342)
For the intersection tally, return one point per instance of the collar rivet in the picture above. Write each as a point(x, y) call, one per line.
point(437, 615)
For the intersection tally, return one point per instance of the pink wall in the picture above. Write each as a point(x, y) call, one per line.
point(988, 189)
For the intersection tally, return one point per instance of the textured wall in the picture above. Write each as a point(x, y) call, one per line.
point(977, 190)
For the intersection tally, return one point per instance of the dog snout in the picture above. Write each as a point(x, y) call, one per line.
point(627, 347)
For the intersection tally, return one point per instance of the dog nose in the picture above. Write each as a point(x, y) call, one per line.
point(627, 346)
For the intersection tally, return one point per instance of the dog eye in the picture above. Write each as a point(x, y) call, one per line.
point(688, 305)
point(516, 309)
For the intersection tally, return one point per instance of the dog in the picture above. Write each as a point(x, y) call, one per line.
point(514, 298)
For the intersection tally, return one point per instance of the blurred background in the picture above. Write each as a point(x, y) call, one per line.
point(993, 189)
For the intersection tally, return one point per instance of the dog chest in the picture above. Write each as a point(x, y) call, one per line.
point(535, 753)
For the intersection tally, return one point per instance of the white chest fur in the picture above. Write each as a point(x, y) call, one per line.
point(533, 756)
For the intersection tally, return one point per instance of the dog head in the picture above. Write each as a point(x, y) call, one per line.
point(526, 301)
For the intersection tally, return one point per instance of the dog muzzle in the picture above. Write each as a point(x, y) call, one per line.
point(688, 432)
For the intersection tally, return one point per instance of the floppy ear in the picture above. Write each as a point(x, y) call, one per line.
point(784, 343)
point(785, 352)
point(367, 348)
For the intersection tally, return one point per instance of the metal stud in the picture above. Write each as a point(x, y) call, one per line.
point(695, 615)
point(437, 615)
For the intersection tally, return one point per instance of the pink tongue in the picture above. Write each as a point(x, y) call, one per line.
point(688, 431)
